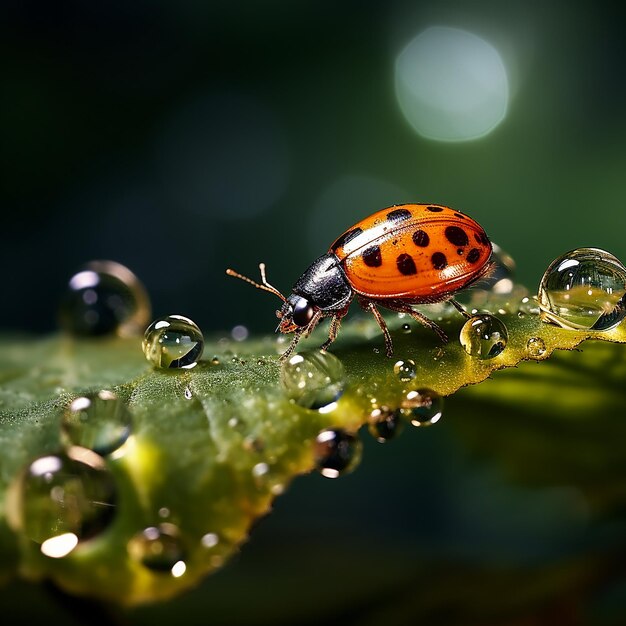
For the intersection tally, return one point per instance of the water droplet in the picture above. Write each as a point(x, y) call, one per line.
point(405, 370)
point(70, 493)
point(406, 328)
point(104, 298)
point(260, 469)
point(536, 347)
point(384, 424)
point(164, 512)
point(422, 407)
point(173, 342)
point(210, 540)
point(158, 548)
point(98, 421)
point(584, 289)
point(314, 379)
point(215, 361)
point(337, 452)
point(239, 333)
point(484, 336)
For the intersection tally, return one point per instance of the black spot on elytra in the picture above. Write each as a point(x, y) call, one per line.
point(348, 236)
point(481, 239)
point(439, 260)
point(406, 264)
point(473, 255)
point(456, 236)
point(421, 238)
point(460, 215)
point(434, 209)
point(372, 256)
point(399, 215)
point(460, 251)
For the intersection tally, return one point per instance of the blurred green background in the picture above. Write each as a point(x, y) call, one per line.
point(180, 138)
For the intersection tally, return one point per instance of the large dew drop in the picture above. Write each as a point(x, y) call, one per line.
point(63, 499)
point(584, 289)
point(99, 421)
point(484, 336)
point(104, 298)
point(337, 452)
point(173, 342)
point(313, 379)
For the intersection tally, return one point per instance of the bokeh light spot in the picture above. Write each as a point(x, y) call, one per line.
point(451, 85)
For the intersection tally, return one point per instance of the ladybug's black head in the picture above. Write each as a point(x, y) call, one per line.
point(297, 312)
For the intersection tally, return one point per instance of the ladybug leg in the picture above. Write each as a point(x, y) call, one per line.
point(402, 307)
point(370, 307)
point(459, 308)
point(317, 316)
point(333, 331)
point(292, 346)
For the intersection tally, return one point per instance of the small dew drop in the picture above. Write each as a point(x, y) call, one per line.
point(484, 336)
point(384, 424)
point(313, 379)
point(239, 333)
point(215, 361)
point(210, 540)
point(336, 452)
point(99, 421)
point(260, 469)
point(158, 548)
point(406, 328)
point(405, 370)
point(585, 289)
point(536, 347)
point(422, 407)
point(173, 342)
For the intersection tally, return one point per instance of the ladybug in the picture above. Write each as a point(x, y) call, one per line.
point(403, 255)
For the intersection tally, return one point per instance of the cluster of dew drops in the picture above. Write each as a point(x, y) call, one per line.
point(62, 500)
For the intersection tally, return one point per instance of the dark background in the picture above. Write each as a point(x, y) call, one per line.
point(180, 138)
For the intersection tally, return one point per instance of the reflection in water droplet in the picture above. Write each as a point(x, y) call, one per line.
point(104, 298)
point(158, 548)
point(584, 289)
point(422, 407)
point(337, 452)
point(173, 342)
point(385, 424)
point(98, 421)
point(484, 336)
point(314, 379)
point(60, 495)
point(536, 347)
point(405, 370)
point(188, 393)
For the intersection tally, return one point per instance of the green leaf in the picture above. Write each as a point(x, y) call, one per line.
point(213, 446)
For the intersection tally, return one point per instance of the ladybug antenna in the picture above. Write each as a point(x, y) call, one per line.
point(264, 285)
